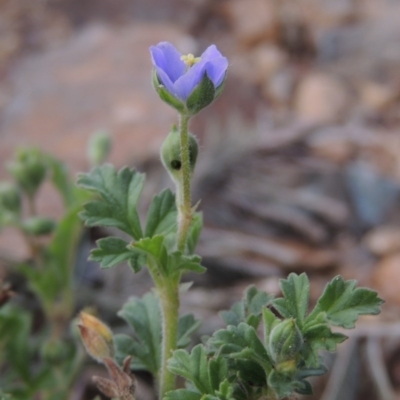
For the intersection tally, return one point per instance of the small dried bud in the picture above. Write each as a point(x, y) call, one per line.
point(122, 383)
point(96, 337)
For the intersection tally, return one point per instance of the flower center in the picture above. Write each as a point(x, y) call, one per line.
point(190, 59)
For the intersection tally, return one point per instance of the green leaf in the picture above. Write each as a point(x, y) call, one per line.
point(194, 232)
point(171, 265)
point(342, 303)
point(256, 300)
point(162, 214)
point(193, 367)
point(61, 180)
point(186, 326)
point(240, 342)
point(15, 329)
point(183, 394)
point(177, 262)
point(155, 248)
point(296, 291)
point(270, 321)
point(119, 195)
point(249, 309)
point(282, 384)
point(112, 251)
point(58, 260)
point(144, 316)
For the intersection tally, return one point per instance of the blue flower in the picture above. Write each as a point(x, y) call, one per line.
point(185, 82)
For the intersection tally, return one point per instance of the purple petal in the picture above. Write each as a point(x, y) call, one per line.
point(216, 70)
point(166, 57)
point(185, 85)
point(217, 64)
point(164, 80)
point(211, 52)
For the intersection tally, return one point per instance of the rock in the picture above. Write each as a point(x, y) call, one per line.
point(373, 195)
point(279, 89)
point(386, 279)
point(322, 98)
point(258, 65)
point(328, 13)
point(332, 143)
point(252, 20)
point(377, 96)
point(383, 240)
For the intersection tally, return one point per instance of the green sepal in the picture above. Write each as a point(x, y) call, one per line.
point(202, 96)
point(165, 95)
point(119, 195)
point(112, 251)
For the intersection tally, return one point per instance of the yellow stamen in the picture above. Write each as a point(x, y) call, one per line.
point(190, 59)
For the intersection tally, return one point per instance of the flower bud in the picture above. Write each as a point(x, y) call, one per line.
point(37, 226)
point(99, 147)
point(29, 169)
point(285, 341)
point(10, 197)
point(96, 337)
point(171, 153)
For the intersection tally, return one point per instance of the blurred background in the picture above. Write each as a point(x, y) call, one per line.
point(299, 167)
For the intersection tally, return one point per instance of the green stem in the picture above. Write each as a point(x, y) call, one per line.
point(169, 296)
point(183, 186)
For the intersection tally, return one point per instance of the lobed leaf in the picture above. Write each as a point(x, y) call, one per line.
point(294, 304)
point(112, 251)
point(119, 195)
point(342, 303)
point(144, 316)
point(162, 214)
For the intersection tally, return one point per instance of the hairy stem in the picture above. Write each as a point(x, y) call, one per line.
point(169, 296)
point(183, 187)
